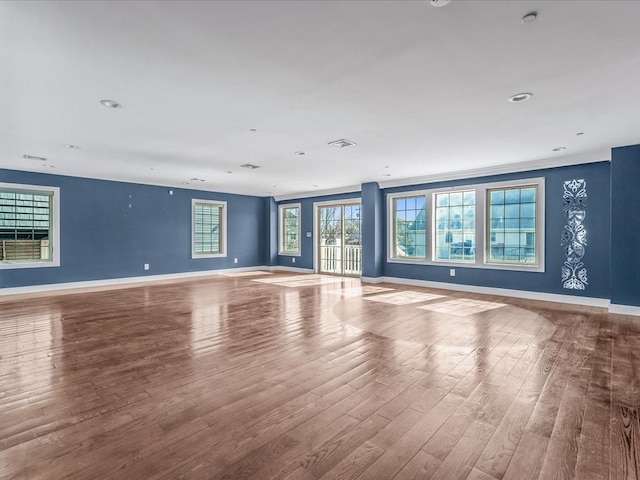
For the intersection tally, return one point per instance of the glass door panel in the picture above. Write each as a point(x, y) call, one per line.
point(340, 238)
point(352, 240)
point(330, 239)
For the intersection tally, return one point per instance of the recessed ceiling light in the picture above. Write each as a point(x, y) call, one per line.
point(559, 149)
point(49, 166)
point(250, 166)
point(275, 186)
point(386, 166)
point(196, 179)
point(300, 153)
point(580, 133)
point(387, 174)
point(228, 171)
point(111, 104)
point(72, 147)
point(529, 17)
point(314, 185)
point(185, 183)
point(520, 97)
point(33, 157)
point(439, 3)
point(253, 129)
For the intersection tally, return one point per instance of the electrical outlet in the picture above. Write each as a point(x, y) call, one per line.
point(452, 272)
point(308, 234)
point(293, 260)
point(235, 260)
point(146, 266)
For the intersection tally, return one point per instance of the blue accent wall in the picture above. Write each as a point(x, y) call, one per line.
point(597, 224)
point(111, 229)
point(625, 226)
point(305, 260)
point(373, 253)
point(270, 231)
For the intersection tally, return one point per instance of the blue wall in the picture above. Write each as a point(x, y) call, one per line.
point(305, 260)
point(102, 237)
point(373, 252)
point(111, 229)
point(625, 226)
point(597, 224)
point(270, 232)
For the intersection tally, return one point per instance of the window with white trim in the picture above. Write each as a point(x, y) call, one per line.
point(497, 225)
point(289, 229)
point(209, 229)
point(29, 233)
point(455, 226)
point(409, 234)
point(512, 225)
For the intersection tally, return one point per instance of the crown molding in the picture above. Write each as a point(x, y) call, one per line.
point(319, 193)
point(563, 161)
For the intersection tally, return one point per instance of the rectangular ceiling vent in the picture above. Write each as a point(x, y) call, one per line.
point(342, 143)
point(33, 157)
point(250, 166)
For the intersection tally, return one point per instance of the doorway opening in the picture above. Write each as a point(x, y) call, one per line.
point(339, 230)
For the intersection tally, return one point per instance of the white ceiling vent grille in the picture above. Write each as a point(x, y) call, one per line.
point(250, 166)
point(33, 157)
point(342, 143)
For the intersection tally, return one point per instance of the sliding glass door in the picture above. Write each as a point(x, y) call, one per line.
point(339, 239)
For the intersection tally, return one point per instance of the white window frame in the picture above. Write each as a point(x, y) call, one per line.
point(281, 209)
point(432, 218)
point(392, 226)
point(54, 236)
point(481, 226)
point(223, 228)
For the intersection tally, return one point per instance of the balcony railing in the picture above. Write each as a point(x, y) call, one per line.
point(331, 259)
point(24, 249)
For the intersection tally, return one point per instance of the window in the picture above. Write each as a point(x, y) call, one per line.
point(409, 234)
point(512, 225)
point(455, 226)
point(289, 229)
point(29, 235)
point(209, 229)
point(509, 235)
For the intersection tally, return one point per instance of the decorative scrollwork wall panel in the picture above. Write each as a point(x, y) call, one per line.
point(574, 235)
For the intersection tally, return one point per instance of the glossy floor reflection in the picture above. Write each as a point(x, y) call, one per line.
point(462, 306)
point(280, 376)
point(404, 297)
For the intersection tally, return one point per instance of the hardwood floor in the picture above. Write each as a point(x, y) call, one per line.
point(274, 376)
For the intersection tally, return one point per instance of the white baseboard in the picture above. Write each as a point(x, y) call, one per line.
point(126, 282)
point(280, 268)
point(505, 292)
point(624, 309)
point(117, 282)
point(372, 279)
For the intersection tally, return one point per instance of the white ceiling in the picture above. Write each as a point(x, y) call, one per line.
point(421, 90)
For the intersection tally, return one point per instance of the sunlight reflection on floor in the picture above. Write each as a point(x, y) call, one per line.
point(404, 298)
point(461, 306)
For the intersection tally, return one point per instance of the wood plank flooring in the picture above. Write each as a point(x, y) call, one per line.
point(273, 376)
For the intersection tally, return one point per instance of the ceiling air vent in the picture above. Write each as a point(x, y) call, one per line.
point(342, 143)
point(250, 166)
point(33, 157)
